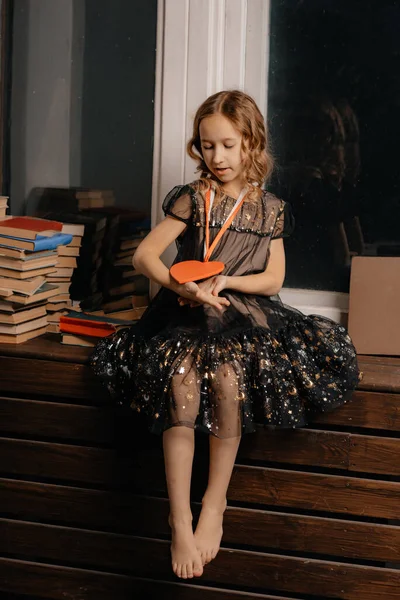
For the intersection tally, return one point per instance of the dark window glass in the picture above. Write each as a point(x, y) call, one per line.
point(333, 109)
point(118, 98)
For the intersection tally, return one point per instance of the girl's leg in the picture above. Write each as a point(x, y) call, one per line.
point(178, 445)
point(178, 442)
point(223, 449)
point(209, 528)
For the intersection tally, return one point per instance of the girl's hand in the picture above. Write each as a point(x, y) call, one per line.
point(220, 283)
point(213, 286)
point(196, 294)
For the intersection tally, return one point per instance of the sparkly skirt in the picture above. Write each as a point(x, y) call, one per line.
point(257, 362)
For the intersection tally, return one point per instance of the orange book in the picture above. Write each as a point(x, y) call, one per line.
point(29, 227)
point(85, 327)
point(90, 325)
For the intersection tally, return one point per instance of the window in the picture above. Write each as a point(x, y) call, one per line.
point(333, 109)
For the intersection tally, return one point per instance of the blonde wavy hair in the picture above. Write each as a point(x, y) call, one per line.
point(246, 117)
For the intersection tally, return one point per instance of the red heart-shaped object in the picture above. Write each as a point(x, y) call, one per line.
point(194, 270)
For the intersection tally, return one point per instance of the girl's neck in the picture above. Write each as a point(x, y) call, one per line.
point(234, 190)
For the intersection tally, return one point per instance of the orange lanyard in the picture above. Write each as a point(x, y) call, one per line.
point(209, 201)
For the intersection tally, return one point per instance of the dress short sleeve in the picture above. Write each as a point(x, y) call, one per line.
point(284, 224)
point(179, 203)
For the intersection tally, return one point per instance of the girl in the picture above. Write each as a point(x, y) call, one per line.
point(221, 355)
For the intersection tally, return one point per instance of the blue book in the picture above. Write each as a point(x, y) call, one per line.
point(40, 243)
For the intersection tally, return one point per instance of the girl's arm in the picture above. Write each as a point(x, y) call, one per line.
point(147, 260)
point(267, 283)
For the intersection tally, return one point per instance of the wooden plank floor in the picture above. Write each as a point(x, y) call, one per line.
point(313, 514)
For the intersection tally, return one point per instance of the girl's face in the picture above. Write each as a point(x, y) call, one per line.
point(221, 146)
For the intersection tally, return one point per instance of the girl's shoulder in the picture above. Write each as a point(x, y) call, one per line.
point(185, 189)
point(278, 215)
point(191, 189)
point(180, 202)
point(271, 202)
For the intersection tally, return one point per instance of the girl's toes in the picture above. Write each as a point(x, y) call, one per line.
point(197, 569)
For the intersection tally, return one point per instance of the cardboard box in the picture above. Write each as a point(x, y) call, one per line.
point(374, 306)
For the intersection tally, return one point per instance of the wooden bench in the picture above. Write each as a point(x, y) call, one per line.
point(313, 513)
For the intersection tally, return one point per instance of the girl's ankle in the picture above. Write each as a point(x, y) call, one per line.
point(216, 504)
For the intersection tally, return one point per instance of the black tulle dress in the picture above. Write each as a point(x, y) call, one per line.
point(257, 362)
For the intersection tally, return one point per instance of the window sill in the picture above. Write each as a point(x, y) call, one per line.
point(334, 305)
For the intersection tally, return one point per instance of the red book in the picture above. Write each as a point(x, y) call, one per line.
point(85, 327)
point(29, 227)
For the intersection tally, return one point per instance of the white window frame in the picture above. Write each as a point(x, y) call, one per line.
point(204, 46)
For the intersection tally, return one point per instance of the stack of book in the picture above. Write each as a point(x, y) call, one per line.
point(63, 274)
point(123, 287)
point(28, 255)
point(84, 286)
point(104, 278)
point(72, 199)
point(85, 329)
point(138, 303)
point(3, 206)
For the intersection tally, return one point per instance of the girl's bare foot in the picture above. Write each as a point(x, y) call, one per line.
point(186, 559)
point(209, 531)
